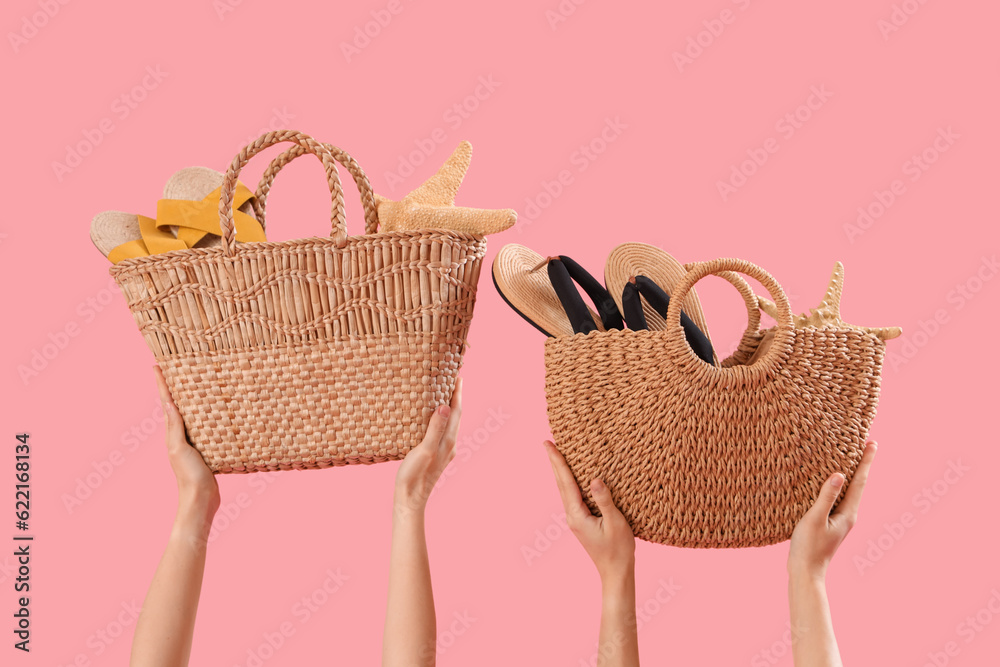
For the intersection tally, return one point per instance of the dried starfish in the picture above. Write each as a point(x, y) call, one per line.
point(432, 205)
point(828, 312)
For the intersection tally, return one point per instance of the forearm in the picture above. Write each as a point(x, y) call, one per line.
point(618, 644)
point(165, 628)
point(410, 626)
point(813, 641)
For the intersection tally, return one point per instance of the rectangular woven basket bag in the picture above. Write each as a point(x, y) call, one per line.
point(309, 353)
point(709, 456)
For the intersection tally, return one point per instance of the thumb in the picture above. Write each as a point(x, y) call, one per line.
point(828, 495)
point(602, 496)
point(175, 425)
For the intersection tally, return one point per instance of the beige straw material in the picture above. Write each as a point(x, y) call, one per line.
point(697, 455)
point(523, 280)
point(642, 259)
point(309, 353)
point(110, 229)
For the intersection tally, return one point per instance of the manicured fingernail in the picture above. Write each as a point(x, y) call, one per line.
point(837, 481)
point(597, 485)
point(444, 410)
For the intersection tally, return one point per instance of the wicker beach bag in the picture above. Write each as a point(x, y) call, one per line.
point(309, 353)
point(698, 455)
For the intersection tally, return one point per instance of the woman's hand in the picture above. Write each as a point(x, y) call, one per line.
point(195, 482)
point(423, 465)
point(819, 533)
point(608, 539)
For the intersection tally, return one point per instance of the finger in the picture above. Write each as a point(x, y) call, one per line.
point(852, 497)
point(175, 424)
point(602, 496)
point(827, 495)
point(569, 490)
point(436, 427)
point(454, 419)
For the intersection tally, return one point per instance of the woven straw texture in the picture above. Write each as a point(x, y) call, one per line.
point(310, 353)
point(704, 456)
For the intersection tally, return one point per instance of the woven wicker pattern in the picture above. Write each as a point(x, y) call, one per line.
point(704, 456)
point(307, 353)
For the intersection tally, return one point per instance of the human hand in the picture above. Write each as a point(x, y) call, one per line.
point(608, 539)
point(422, 466)
point(196, 485)
point(819, 533)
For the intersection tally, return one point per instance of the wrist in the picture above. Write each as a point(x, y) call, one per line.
point(806, 577)
point(194, 515)
point(618, 579)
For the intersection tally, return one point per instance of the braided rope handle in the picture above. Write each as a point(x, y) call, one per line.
point(308, 144)
point(729, 269)
point(341, 156)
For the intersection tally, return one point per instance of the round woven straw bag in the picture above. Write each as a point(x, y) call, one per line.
point(309, 353)
point(697, 455)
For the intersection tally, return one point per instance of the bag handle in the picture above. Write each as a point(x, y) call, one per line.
point(339, 230)
point(360, 179)
point(729, 269)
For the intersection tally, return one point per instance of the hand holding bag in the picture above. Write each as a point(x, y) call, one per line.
point(698, 455)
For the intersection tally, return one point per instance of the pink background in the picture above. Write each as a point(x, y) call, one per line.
point(228, 71)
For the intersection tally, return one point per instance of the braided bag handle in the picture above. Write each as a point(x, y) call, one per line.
point(341, 156)
point(307, 144)
point(729, 269)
